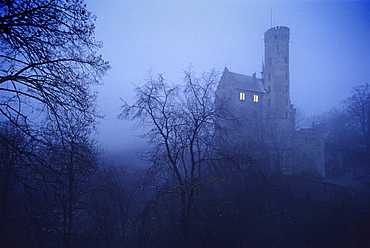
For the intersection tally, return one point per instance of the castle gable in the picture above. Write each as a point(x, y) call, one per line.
point(244, 82)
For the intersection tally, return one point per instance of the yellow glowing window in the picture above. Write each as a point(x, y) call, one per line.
point(255, 98)
point(242, 96)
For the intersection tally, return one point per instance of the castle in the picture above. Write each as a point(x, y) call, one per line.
point(263, 126)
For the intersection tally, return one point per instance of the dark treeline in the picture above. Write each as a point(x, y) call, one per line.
point(234, 204)
point(56, 191)
point(48, 161)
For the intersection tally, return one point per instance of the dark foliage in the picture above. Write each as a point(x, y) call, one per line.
point(55, 192)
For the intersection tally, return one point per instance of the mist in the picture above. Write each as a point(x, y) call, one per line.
point(184, 124)
point(329, 51)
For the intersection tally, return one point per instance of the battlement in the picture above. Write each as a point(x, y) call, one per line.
point(279, 32)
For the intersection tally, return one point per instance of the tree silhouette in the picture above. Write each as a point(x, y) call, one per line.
point(48, 63)
point(358, 106)
point(48, 60)
point(182, 121)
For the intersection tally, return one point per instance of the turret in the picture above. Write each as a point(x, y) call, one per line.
point(276, 72)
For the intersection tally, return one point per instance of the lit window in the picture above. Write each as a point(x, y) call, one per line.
point(255, 98)
point(242, 96)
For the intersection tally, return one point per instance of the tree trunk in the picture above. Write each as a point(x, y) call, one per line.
point(185, 220)
point(4, 200)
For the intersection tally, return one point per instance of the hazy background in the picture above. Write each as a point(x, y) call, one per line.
point(329, 49)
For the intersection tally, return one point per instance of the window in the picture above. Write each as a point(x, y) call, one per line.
point(269, 102)
point(286, 88)
point(269, 88)
point(242, 96)
point(269, 76)
point(255, 98)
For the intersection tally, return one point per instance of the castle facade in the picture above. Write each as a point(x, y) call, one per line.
point(263, 123)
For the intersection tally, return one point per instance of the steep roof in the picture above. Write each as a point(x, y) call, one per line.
point(244, 82)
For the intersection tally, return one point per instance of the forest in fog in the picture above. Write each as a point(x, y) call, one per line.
point(191, 189)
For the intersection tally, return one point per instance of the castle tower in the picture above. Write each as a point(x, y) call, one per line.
point(276, 73)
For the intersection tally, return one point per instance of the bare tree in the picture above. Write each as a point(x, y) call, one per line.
point(47, 61)
point(114, 205)
point(69, 161)
point(358, 106)
point(14, 148)
point(182, 120)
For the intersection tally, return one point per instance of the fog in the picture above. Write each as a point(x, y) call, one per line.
point(231, 158)
point(329, 49)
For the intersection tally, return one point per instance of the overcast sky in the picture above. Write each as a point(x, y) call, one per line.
point(329, 48)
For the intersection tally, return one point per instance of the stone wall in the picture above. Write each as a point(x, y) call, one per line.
point(315, 190)
point(309, 151)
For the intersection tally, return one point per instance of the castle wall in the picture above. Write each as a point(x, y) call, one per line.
point(240, 129)
point(264, 124)
point(309, 149)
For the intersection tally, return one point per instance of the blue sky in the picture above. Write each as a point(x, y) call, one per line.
point(329, 48)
